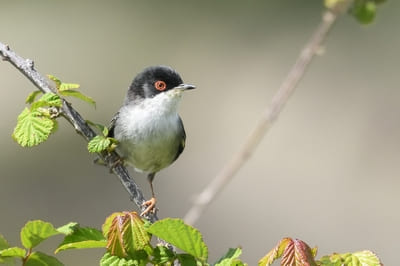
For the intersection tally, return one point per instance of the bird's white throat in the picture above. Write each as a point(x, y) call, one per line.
point(159, 111)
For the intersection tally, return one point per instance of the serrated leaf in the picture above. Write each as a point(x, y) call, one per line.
point(127, 235)
point(67, 229)
point(298, 253)
point(3, 242)
point(230, 258)
point(82, 237)
point(79, 95)
point(35, 232)
point(32, 128)
point(181, 235)
point(107, 223)
point(41, 259)
point(32, 96)
point(98, 144)
point(275, 253)
point(68, 86)
point(55, 79)
point(367, 258)
point(110, 260)
point(13, 252)
point(362, 258)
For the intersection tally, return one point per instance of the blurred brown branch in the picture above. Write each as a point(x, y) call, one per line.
point(266, 120)
point(26, 67)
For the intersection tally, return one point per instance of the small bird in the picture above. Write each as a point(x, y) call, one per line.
point(149, 131)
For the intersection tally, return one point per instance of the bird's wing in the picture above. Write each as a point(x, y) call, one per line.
point(182, 140)
point(111, 126)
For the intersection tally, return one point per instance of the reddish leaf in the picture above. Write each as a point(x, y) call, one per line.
point(126, 234)
point(299, 253)
point(114, 238)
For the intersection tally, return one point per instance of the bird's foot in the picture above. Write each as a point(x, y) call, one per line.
point(151, 206)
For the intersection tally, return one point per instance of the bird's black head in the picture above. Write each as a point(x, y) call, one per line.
point(154, 80)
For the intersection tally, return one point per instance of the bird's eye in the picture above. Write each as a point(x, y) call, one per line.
point(160, 85)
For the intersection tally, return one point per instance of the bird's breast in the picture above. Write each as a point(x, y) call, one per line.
point(148, 139)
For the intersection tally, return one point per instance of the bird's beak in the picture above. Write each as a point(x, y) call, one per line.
point(184, 87)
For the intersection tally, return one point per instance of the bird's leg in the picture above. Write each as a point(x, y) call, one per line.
point(151, 204)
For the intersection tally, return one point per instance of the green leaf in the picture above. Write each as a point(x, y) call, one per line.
point(9, 261)
point(41, 259)
point(13, 252)
point(32, 128)
point(83, 237)
point(367, 257)
point(68, 86)
point(67, 229)
point(98, 144)
point(47, 100)
point(364, 11)
point(35, 232)
point(78, 95)
point(55, 79)
point(108, 222)
point(187, 260)
point(3, 242)
point(162, 255)
point(110, 260)
point(32, 96)
point(293, 252)
point(230, 258)
point(181, 235)
point(51, 99)
point(362, 258)
point(127, 235)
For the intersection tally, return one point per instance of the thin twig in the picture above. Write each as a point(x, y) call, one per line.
point(26, 67)
point(265, 122)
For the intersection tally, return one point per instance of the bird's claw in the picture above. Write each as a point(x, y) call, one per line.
point(151, 206)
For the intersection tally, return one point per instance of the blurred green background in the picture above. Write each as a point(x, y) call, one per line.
point(327, 173)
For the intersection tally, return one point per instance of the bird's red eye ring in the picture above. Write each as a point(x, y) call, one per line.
point(160, 85)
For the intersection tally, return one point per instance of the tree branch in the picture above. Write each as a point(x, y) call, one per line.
point(265, 122)
point(26, 67)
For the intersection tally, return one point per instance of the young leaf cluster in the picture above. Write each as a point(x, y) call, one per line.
point(32, 234)
point(295, 252)
point(70, 89)
point(102, 142)
point(38, 121)
point(126, 238)
point(363, 10)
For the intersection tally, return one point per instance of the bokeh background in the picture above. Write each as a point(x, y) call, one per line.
point(327, 172)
